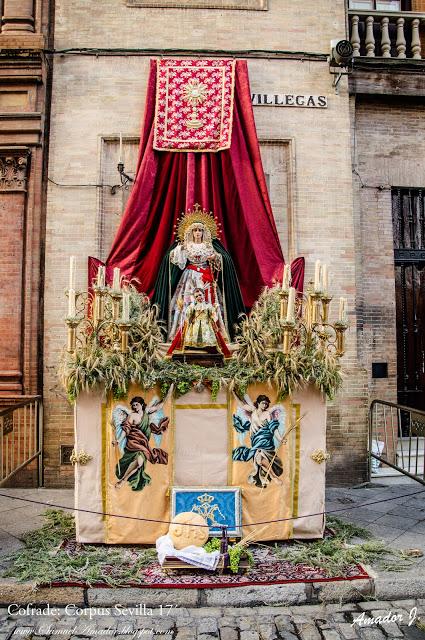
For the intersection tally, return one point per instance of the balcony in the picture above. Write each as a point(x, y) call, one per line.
point(399, 35)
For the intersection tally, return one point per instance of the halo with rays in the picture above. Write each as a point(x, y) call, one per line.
point(196, 215)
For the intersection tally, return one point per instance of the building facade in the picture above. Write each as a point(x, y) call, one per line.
point(24, 87)
point(25, 79)
point(333, 158)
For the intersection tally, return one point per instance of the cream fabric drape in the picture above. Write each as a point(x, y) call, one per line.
point(201, 453)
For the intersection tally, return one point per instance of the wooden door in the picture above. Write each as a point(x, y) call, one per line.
point(408, 207)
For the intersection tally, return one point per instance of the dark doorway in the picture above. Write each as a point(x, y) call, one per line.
point(408, 206)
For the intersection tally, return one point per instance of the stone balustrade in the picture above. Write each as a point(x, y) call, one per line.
point(390, 34)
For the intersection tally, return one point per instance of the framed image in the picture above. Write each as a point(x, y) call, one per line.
point(220, 506)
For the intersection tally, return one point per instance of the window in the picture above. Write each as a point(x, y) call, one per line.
point(277, 159)
point(249, 5)
point(376, 5)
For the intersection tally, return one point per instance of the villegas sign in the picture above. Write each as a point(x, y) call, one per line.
point(288, 100)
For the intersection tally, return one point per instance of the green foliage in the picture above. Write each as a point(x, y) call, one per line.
point(335, 554)
point(307, 362)
point(236, 552)
point(98, 360)
point(44, 561)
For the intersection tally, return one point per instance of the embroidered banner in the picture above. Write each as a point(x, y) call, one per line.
point(139, 452)
point(264, 461)
point(194, 105)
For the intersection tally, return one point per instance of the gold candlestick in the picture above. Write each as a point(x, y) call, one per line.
point(326, 299)
point(288, 328)
point(72, 334)
point(283, 295)
point(340, 329)
point(124, 331)
point(116, 298)
point(315, 298)
point(99, 304)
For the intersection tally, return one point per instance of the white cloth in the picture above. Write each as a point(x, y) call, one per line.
point(197, 556)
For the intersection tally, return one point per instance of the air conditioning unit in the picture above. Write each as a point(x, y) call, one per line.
point(341, 53)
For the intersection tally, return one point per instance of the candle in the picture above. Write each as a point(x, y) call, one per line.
point(116, 279)
point(342, 310)
point(290, 314)
point(101, 277)
point(317, 273)
point(286, 280)
point(72, 273)
point(120, 152)
point(325, 274)
point(71, 303)
point(126, 306)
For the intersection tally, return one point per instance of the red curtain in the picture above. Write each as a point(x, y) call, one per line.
point(230, 183)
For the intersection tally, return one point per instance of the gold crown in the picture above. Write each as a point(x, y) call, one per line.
point(196, 215)
point(205, 497)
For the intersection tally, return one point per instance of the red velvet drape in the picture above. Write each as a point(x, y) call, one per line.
point(230, 183)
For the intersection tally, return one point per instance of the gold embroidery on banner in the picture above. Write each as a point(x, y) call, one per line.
point(206, 509)
point(229, 440)
point(191, 140)
point(297, 408)
point(194, 92)
point(105, 459)
point(172, 448)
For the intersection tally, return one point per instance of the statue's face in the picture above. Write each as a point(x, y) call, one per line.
point(198, 234)
point(263, 405)
point(137, 407)
point(199, 296)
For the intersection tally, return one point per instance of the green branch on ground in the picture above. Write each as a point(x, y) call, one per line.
point(45, 559)
point(336, 554)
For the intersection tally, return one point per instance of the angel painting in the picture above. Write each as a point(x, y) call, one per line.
point(266, 427)
point(133, 430)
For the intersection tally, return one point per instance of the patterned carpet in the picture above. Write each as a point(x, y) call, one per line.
point(267, 570)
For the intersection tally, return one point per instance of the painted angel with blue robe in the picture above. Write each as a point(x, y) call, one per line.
point(133, 430)
point(266, 427)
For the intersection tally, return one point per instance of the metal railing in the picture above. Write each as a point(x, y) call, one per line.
point(391, 34)
point(21, 438)
point(396, 439)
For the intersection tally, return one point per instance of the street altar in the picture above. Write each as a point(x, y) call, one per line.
point(198, 366)
point(242, 443)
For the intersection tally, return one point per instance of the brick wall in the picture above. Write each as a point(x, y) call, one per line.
point(299, 26)
point(389, 145)
point(11, 260)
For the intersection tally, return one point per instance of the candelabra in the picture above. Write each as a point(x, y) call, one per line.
point(97, 316)
point(306, 320)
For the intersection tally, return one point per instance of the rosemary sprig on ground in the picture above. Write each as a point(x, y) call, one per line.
point(44, 561)
point(335, 554)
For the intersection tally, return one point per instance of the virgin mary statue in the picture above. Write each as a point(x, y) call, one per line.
point(198, 260)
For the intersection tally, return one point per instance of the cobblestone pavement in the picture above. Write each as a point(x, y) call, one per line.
point(310, 622)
